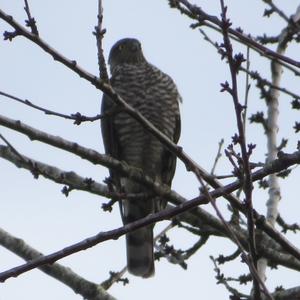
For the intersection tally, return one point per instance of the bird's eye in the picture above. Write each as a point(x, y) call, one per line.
point(120, 47)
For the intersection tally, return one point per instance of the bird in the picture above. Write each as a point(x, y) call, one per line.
point(155, 95)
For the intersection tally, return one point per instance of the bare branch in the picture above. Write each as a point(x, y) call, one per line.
point(31, 22)
point(99, 33)
point(116, 276)
point(284, 162)
point(222, 280)
point(288, 294)
point(277, 10)
point(90, 155)
point(261, 82)
point(55, 174)
point(234, 63)
point(218, 156)
point(286, 227)
point(198, 14)
point(77, 117)
point(247, 89)
point(78, 284)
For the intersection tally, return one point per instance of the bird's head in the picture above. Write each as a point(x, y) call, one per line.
point(127, 51)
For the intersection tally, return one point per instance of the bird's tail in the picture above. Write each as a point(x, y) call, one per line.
point(140, 258)
point(139, 243)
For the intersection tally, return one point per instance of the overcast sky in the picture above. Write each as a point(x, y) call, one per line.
point(36, 210)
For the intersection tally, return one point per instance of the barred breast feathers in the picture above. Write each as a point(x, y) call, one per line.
point(143, 83)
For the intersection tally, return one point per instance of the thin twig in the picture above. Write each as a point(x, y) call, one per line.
point(114, 278)
point(69, 178)
point(287, 227)
point(247, 180)
point(245, 43)
point(231, 233)
point(31, 22)
point(77, 117)
point(106, 284)
point(261, 82)
point(99, 33)
point(277, 10)
point(13, 150)
point(223, 259)
point(247, 89)
point(191, 251)
point(221, 279)
point(218, 156)
point(198, 14)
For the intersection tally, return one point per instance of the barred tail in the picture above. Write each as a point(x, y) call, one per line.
point(140, 258)
point(139, 243)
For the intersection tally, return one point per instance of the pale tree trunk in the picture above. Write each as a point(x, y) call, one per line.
point(272, 132)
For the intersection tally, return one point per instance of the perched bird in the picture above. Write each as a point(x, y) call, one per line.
point(154, 94)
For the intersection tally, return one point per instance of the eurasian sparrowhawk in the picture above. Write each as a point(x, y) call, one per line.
point(154, 94)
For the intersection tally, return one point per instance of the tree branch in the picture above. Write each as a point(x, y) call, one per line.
point(195, 12)
point(78, 284)
point(272, 131)
point(57, 175)
point(288, 294)
point(77, 117)
point(30, 22)
point(278, 165)
point(234, 63)
point(275, 166)
point(99, 33)
point(261, 82)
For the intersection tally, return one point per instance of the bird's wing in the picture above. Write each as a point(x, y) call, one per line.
point(110, 139)
point(169, 160)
